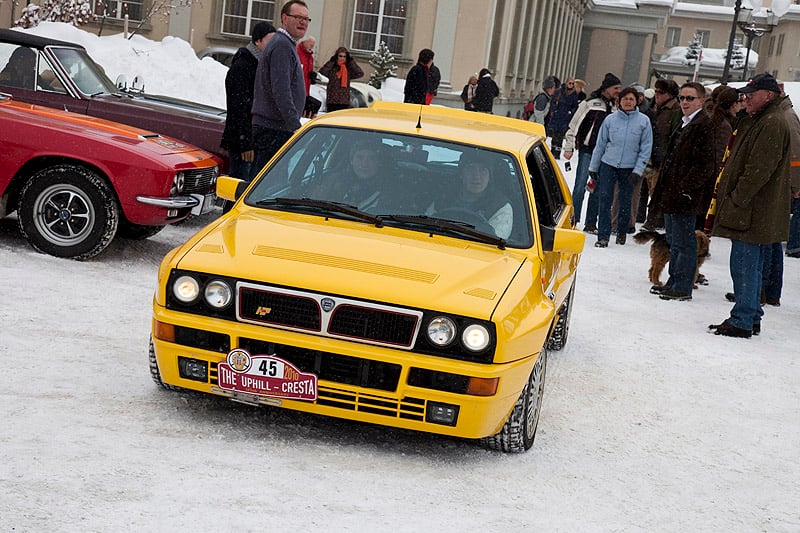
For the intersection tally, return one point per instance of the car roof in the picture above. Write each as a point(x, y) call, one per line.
point(33, 41)
point(470, 127)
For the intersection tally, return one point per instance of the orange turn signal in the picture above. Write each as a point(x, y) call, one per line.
point(482, 386)
point(163, 332)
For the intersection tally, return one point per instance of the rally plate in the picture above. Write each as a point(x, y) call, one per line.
point(265, 376)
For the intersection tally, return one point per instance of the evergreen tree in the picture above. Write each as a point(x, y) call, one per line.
point(693, 52)
point(73, 12)
point(383, 62)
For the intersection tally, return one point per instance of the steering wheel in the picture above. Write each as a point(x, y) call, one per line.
point(462, 214)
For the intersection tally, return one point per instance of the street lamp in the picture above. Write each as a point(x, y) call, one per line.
point(751, 31)
point(737, 7)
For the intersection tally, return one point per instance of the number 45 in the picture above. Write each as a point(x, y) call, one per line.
point(269, 368)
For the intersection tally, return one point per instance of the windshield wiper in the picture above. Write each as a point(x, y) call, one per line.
point(461, 228)
point(327, 206)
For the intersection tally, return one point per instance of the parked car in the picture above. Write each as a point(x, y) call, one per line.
point(399, 265)
point(76, 181)
point(45, 71)
point(361, 94)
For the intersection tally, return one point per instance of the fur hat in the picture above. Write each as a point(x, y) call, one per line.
point(609, 81)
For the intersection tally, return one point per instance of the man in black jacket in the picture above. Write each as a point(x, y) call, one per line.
point(237, 138)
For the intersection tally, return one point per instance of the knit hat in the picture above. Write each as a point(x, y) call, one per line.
point(649, 93)
point(548, 83)
point(609, 81)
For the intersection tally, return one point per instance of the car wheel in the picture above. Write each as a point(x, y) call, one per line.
point(136, 232)
point(155, 373)
point(558, 338)
point(519, 430)
point(68, 211)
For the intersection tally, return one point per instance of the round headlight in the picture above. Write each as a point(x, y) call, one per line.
point(218, 294)
point(441, 331)
point(178, 182)
point(475, 338)
point(186, 289)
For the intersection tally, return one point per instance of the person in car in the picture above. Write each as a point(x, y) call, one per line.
point(20, 69)
point(479, 198)
point(359, 184)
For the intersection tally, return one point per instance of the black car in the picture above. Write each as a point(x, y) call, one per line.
point(53, 73)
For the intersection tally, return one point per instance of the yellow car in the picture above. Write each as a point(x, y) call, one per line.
point(401, 265)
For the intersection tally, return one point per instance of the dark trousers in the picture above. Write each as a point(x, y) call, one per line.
point(266, 143)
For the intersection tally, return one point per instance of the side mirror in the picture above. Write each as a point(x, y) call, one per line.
point(562, 240)
point(230, 188)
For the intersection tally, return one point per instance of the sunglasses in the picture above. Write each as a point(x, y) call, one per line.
point(659, 91)
point(687, 98)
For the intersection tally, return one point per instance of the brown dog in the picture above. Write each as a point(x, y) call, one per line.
point(659, 253)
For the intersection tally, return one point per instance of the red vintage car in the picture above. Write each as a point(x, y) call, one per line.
point(76, 181)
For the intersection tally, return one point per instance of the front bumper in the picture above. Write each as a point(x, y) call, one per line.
point(349, 383)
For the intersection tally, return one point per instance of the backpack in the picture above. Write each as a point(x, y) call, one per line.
point(527, 111)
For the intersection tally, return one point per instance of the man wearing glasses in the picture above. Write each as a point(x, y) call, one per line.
point(753, 200)
point(279, 95)
point(688, 172)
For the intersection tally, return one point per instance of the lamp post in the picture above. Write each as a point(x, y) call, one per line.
point(737, 7)
point(752, 32)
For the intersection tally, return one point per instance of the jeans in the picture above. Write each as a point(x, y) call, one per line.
point(556, 140)
point(772, 271)
point(793, 246)
point(266, 143)
point(609, 177)
point(746, 264)
point(682, 252)
point(579, 189)
point(238, 167)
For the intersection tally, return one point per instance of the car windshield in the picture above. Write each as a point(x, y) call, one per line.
point(87, 75)
point(408, 181)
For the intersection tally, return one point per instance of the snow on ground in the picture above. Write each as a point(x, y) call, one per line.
point(649, 423)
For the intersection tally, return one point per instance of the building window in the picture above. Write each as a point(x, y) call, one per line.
point(239, 16)
point(673, 38)
point(771, 45)
point(780, 44)
point(704, 36)
point(117, 9)
point(379, 20)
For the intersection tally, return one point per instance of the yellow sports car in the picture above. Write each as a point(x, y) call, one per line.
point(401, 265)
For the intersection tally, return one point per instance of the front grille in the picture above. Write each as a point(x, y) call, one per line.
point(330, 316)
point(373, 324)
point(332, 367)
point(279, 309)
point(199, 180)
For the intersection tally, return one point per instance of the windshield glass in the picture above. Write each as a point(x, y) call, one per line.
point(87, 75)
point(384, 174)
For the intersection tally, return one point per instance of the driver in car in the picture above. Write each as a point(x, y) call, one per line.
point(478, 198)
point(360, 185)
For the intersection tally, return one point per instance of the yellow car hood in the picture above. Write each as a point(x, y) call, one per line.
point(345, 258)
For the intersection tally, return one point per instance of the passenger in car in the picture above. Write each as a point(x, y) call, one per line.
point(359, 184)
point(477, 202)
point(20, 69)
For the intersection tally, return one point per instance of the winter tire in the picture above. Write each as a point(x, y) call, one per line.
point(155, 373)
point(68, 211)
point(519, 430)
point(558, 338)
point(136, 232)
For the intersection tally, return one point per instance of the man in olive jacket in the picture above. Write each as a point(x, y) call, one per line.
point(753, 200)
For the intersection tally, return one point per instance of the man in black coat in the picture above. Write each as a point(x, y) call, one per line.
point(689, 167)
point(237, 138)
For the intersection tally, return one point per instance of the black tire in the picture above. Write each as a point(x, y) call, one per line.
point(155, 373)
point(136, 232)
point(558, 338)
point(68, 211)
point(519, 431)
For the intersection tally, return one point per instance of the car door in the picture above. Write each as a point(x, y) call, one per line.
point(553, 211)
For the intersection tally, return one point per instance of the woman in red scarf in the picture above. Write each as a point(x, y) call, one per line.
point(340, 69)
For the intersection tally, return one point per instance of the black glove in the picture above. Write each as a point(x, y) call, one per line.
point(594, 175)
point(634, 178)
point(312, 76)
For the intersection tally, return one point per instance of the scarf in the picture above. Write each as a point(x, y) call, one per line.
point(471, 91)
point(253, 49)
point(343, 72)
